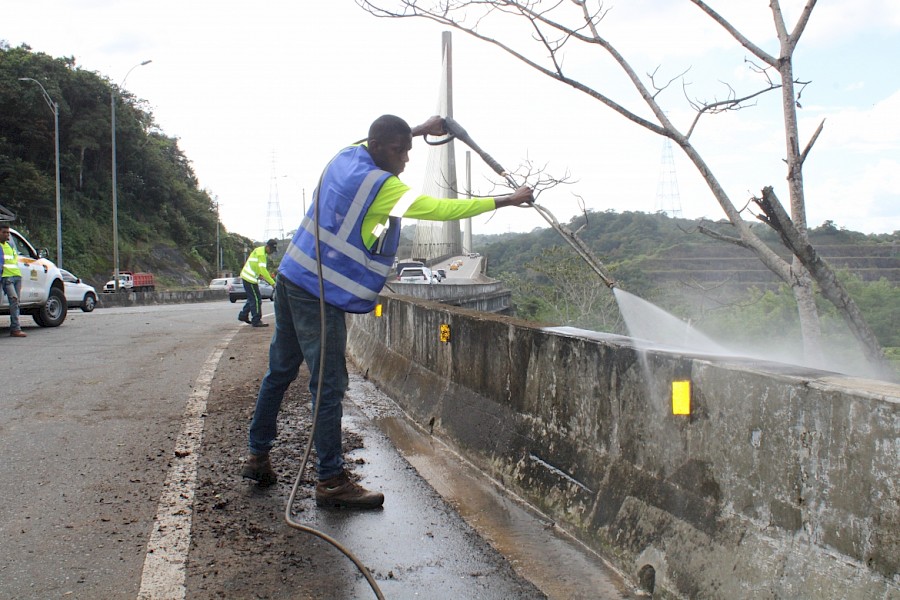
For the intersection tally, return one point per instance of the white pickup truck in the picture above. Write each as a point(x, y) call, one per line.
point(417, 275)
point(43, 293)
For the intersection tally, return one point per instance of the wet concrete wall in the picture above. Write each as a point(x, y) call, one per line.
point(781, 483)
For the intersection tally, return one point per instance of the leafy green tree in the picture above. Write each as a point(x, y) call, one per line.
point(160, 206)
point(880, 302)
point(766, 321)
point(557, 287)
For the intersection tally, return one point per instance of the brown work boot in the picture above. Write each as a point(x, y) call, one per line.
point(341, 492)
point(18, 333)
point(258, 467)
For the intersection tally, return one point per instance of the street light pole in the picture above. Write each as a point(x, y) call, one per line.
point(55, 108)
point(115, 197)
point(218, 255)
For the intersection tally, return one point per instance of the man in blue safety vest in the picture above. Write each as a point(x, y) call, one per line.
point(254, 268)
point(342, 254)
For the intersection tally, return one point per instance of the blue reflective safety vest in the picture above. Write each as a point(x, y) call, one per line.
point(353, 275)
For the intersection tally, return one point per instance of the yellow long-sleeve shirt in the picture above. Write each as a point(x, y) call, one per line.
point(424, 207)
point(255, 267)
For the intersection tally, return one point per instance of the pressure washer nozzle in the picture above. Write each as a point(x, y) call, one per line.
point(609, 281)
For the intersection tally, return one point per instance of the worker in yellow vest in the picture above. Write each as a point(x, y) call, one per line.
point(254, 268)
point(11, 281)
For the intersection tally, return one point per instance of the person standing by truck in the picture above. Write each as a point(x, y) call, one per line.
point(11, 281)
point(254, 268)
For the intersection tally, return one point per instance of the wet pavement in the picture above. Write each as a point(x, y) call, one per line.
point(537, 549)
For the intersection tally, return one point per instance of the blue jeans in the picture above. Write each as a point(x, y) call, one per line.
point(253, 305)
point(12, 287)
point(298, 338)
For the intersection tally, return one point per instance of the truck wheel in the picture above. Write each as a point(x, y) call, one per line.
point(90, 302)
point(53, 313)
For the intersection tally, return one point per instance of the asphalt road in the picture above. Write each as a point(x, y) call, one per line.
point(122, 435)
point(90, 414)
point(467, 271)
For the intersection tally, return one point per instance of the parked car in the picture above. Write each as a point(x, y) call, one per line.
point(78, 293)
point(405, 264)
point(235, 287)
point(416, 275)
point(219, 284)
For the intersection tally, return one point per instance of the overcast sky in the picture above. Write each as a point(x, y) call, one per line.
point(261, 95)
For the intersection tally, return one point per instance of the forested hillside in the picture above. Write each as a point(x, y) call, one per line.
point(166, 224)
point(720, 287)
point(658, 244)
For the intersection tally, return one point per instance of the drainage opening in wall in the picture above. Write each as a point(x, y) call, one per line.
point(647, 579)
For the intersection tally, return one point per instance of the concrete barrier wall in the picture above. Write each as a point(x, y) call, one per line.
point(781, 483)
point(491, 297)
point(143, 298)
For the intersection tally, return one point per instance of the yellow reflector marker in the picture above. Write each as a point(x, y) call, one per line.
point(445, 333)
point(377, 310)
point(681, 397)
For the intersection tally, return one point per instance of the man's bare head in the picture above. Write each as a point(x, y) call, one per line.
point(389, 143)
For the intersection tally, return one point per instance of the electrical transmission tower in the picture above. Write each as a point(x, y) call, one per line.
point(274, 223)
point(668, 200)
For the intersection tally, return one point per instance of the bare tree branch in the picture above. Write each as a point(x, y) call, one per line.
point(411, 8)
point(802, 85)
point(720, 106)
point(659, 89)
point(584, 212)
point(775, 217)
point(812, 141)
point(756, 50)
point(780, 27)
point(802, 21)
point(721, 237)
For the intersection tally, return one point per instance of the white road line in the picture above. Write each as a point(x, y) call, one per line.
point(163, 577)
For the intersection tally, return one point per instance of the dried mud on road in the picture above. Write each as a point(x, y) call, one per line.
point(241, 546)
